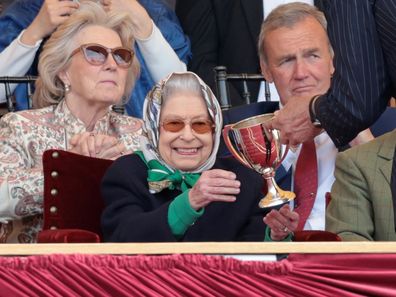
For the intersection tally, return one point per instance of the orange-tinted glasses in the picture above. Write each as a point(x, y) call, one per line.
point(96, 54)
point(198, 126)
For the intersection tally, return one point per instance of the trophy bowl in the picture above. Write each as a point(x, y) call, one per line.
point(259, 148)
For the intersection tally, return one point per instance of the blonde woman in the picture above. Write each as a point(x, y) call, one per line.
point(86, 66)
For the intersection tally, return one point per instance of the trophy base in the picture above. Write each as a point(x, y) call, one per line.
point(271, 200)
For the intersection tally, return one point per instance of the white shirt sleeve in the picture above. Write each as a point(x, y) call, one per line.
point(15, 60)
point(159, 56)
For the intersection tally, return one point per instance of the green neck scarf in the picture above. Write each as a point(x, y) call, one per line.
point(160, 177)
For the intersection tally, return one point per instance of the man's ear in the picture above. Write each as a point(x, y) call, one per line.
point(332, 69)
point(265, 72)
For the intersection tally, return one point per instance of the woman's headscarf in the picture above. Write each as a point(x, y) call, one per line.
point(161, 174)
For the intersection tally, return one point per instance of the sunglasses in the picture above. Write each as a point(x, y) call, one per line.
point(198, 126)
point(96, 54)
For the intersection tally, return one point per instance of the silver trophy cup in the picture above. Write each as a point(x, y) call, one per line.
point(259, 148)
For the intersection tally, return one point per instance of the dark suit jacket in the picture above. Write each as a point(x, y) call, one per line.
point(133, 214)
point(223, 32)
point(363, 35)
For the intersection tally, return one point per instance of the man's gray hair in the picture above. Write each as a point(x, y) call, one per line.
point(288, 15)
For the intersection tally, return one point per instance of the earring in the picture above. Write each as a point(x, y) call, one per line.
point(67, 88)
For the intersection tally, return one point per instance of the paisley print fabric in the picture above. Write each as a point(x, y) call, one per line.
point(24, 136)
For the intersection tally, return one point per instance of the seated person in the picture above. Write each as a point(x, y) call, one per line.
point(362, 207)
point(295, 54)
point(161, 45)
point(85, 67)
point(175, 189)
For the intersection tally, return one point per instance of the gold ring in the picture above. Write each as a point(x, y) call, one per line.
point(285, 229)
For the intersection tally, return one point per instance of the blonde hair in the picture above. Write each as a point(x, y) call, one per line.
point(288, 15)
point(56, 53)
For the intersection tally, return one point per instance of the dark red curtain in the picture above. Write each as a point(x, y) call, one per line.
point(198, 275)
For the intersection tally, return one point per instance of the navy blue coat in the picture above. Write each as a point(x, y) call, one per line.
point(133, 214)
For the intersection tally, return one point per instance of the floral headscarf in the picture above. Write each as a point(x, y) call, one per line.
point(149, 141)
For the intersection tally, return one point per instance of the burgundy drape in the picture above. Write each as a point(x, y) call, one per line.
point(198, 275)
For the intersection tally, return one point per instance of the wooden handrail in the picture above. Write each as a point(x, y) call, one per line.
point(224, 248)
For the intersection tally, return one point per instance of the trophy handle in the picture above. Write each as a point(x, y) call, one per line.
point(230, 146)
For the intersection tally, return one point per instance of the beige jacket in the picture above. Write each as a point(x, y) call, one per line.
point(361, 207)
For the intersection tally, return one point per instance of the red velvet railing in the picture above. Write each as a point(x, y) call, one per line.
point(198, 275)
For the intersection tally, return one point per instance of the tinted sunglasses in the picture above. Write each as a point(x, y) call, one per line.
point(96, 54)
point(198, 126)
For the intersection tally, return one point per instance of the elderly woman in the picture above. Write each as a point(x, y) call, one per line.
point(85, 67)
point(175, 189)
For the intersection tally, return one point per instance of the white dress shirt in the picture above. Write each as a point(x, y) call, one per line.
point(326, 153)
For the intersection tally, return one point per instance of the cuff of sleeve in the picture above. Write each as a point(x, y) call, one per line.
point(36, 45)
point(316, 108)
point(267, 237)
point(181, 216)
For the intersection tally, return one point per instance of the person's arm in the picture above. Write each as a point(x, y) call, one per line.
point(349, 213)
point(181, 215)
point(159, 56)
point(360, 86)
point(16, 57)
point(158, 36)
point(21, 179)
point(15, 60)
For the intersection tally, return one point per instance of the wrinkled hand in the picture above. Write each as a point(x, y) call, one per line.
point(294, 123)
point(214, 185)
point(142, 24)
point(281, 222)
point(52, 13)
point(97, 146)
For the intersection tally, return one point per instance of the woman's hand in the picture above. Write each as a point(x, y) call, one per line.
point(52, 13)
point(214, 185)
point(142, 23)
point(281, 222)
point(97, 146)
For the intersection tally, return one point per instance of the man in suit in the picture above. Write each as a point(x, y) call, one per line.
point(363, 35)
point(362, 207)
point(295, 54)
point(225, 32)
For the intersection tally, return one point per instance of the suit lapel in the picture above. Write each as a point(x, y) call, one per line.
point(254, 16)
point(386, 170)
point(386, 151)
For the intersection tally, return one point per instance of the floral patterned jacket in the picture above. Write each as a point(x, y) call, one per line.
point(24, 136)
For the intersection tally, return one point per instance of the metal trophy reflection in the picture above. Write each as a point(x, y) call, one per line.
point(259, 148)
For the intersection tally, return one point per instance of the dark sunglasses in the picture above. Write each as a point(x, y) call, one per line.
point(198, 126)
point(96, 54)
